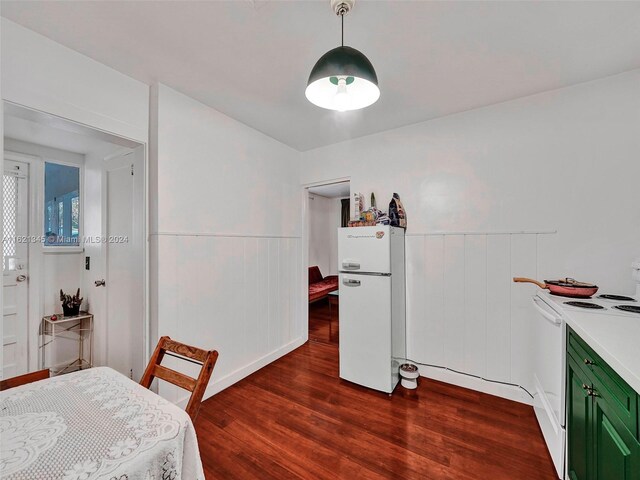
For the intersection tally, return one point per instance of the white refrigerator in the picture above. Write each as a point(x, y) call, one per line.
point(372, 305)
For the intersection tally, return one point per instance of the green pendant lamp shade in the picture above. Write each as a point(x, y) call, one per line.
point(343, 79)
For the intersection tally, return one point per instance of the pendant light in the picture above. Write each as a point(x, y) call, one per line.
point(343, 79)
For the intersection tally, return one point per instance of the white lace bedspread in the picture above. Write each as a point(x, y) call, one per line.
point(94, 424)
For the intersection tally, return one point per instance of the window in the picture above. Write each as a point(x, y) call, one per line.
point(75, 216)
point(9, 216)
point(62, 205)
point(60, 219)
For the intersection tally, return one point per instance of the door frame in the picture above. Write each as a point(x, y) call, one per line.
point(304, 288)
point(34, 253)
point(145, 227)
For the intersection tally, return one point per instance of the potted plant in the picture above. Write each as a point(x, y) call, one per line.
point(70, 303)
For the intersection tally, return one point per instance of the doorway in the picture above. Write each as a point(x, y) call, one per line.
point(328, 209)
point(15, 252)
point(79, 200)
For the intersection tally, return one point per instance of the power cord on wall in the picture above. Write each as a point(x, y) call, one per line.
point(469, 375)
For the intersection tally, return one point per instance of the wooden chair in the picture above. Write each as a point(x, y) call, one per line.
point(23, 379)
point(207, 359)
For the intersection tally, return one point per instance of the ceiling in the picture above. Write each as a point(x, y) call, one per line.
point(251, 59)
point(332, 190)
point(21, 124)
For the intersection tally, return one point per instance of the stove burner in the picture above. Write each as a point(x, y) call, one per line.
point(628, 308)
point(585, 305)
point(617, 298)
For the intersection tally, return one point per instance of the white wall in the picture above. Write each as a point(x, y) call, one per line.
point(324, 221)
point(566, 160)
point(321, 232)
point(336, 222)
point(226, 248)
point(41, 74)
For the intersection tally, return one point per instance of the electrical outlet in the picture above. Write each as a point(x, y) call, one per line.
point(87, 263)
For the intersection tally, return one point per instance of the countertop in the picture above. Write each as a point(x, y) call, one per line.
point(615, 338)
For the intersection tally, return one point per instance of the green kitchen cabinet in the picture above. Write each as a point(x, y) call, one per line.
point(602, 421)
point(617, 451)
point(580, 423)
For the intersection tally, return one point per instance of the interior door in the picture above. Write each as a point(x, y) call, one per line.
point(15, 221)
point(124, 282)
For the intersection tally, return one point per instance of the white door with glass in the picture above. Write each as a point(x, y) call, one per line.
point(15, 249)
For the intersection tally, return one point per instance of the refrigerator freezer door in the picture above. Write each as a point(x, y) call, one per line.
point(364, 249)
point(365, 331)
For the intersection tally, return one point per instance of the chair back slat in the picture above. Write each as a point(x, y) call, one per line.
point(185, 350)
point(197, 386)
point(177, 378)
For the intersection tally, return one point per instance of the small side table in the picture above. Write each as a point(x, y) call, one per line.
point(334, 303)
point(78, 328)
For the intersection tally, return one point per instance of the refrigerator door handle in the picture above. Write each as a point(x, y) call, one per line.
point(351, 265)
point(351, 283)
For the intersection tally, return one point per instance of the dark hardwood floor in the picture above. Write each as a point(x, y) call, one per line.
point(296, 419)
point(323, 322)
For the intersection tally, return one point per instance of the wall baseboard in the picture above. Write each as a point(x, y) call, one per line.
point(221, 383)
point(509, 392)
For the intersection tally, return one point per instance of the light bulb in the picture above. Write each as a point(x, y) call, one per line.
point(342, 97)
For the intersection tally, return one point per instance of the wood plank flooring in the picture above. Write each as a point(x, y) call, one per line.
point(324, 325)
point(295, 419)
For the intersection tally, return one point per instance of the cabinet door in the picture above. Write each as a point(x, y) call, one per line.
point(617, 452)
point(579, 419)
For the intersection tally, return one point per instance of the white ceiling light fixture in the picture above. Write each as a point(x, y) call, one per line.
point(344, 78)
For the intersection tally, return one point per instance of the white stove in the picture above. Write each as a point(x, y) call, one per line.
point(548, 338)
point(607, 304)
